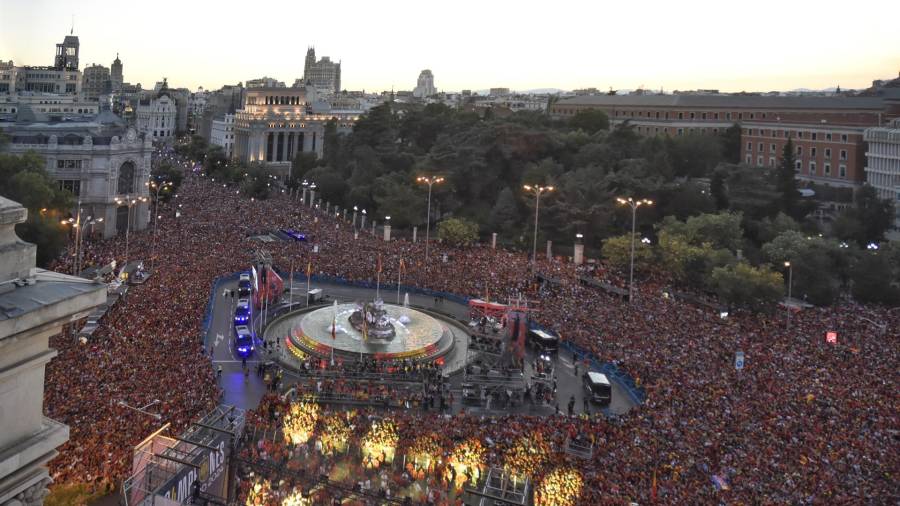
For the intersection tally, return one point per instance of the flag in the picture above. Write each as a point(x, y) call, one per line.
point(401, 265)
point(653, 487)
point(365, 331)
point(333, 327)
point(379, 263)
point(308, 268)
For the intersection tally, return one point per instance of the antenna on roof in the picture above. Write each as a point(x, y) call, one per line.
point(72, 29)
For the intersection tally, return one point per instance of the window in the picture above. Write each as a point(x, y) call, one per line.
point(799, 150)
point(813, 136)
point(681, 115)
point(680, 131)
point(727, 115)
point(692, 115)
point(759, 161)
point(771, 161)
point(774, 133)
point(740, 115)
point(827, 137)
point(799, 135)
point(72, 185)
point(812, 168)
point(751, 115)
point(771, 148)
point(703, 116)
point(798, 166)
point(126, 178)
point(68, 164)
point(812, 151)
point(827, 152)
point(787, 134)
point(827, 169)
point(716, 115)
point(842, 171)
point(843, 154)
point(749, 146)
point(761, 147)
point(843, 137)
point(748, 159)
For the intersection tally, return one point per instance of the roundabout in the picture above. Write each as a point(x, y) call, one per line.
point(376, 331)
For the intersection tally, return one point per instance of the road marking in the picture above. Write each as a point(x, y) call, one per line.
point(219, 338)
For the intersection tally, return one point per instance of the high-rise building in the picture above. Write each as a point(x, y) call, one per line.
point(425, 85)
point(95, 82)
point(115, 75)
point(324, 75)
point(67, 54)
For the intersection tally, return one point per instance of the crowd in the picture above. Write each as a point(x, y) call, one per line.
point(805, 421)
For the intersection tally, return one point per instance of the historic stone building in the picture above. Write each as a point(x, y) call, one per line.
point(156, 116)
point(34, 305)
point(324, 75)
point(275, 124)
point(424, 85)
point(116, 77)
point(100, 161)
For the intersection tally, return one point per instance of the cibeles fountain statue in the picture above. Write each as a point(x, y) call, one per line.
point(372, 321)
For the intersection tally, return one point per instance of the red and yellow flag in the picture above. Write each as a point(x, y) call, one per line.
point(308, 269)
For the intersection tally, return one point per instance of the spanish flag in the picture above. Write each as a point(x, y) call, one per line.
point(379, 263)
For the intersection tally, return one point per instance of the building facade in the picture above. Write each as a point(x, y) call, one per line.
point(324, 75)
point(264, 82)
point(99, 161)
point(96, 82)
point(60, 107)
point(116, 77)
point(276, 124)
point(424, 85)
point(36, 304)
point(156, 116)
point(827, 132)
point(223, 134)
point(883, 163)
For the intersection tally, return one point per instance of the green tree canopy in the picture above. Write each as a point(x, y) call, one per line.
point(745, 286)
point(458, 231)
point(590, 120)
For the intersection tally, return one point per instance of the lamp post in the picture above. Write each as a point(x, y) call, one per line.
point(790, 269)
point(159, 187)
point(430, 181)
point(634, 204)
point(130, 202)
point(355, 209)
point(78, 226)
point(537, 191)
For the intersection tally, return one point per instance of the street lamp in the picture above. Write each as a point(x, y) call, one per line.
point(78, 227)
point(537, 191)
point(634, 204)
point(159, 187)
point(355, 209)
point(430, 181)
point(130, 202)
point(790, 269)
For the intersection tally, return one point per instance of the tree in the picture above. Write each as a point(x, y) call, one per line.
point(786, 182)
point(590, 120)
point(718, 191)
point(506, 219)
point(731, 144)
point(458, 231)
point(25, 181)
point(872, 279)
point(694, 155)
point(816, 262)
point(868, 219)
point(617, 251)
point(742, 285)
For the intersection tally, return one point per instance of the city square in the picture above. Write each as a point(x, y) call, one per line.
point(300, 294)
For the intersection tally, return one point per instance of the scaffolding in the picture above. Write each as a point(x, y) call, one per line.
point(169, 470)
point(500, 487)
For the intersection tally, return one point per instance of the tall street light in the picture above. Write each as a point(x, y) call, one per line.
point(634, 204)
point(130, 202)
point(537, 191)
point(430, 181)
point(78, 226)
point(158, 187)
point(790, 269)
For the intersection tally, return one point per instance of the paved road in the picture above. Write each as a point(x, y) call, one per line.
point(246, 392)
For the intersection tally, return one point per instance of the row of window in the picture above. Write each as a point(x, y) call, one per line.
point(68, 164)
point(798, 134)
point(72, 185)
point(773, 148)
point(647, 130)
point(884, 148)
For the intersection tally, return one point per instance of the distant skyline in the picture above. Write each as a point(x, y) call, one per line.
point(769, 45)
